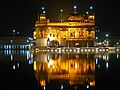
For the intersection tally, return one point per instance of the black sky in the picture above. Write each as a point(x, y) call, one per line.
point(22, 14)
point(108, 16)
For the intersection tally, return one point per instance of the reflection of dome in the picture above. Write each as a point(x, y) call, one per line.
point(41, 77)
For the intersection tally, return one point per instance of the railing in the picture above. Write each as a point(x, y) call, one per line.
point(76, 49)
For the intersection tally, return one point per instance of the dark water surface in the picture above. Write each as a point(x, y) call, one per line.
point(58, 71)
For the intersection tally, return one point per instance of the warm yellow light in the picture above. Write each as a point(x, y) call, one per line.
point(42, 17)
point(51, 38)
point(34, 37)
point(50, 63)
point(42, 82)
point(92, 83)
point(34, 66)
point(91, 17)
point(34, 34)
point(71, 82)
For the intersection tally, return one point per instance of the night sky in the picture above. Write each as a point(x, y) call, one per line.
point(20, 15)
point(108, 16)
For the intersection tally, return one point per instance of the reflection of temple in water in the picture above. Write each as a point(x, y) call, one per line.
point(76, 68)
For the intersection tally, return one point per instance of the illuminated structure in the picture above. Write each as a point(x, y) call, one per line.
point(12, 43)
point(76, 30)
point(75, 68)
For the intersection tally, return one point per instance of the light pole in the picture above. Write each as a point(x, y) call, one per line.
point(106, 41)
point(61, 15)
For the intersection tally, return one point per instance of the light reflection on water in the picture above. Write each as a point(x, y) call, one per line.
point(60, 71)
point(74, 70)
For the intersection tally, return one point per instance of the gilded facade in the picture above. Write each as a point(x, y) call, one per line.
point(76, 30)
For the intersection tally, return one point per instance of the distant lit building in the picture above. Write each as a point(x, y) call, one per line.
point(9, 43)
point(76, 30)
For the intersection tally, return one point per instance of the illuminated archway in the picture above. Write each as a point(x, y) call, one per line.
point(53, 43)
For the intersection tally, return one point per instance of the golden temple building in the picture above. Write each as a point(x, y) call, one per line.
point(76, 30)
